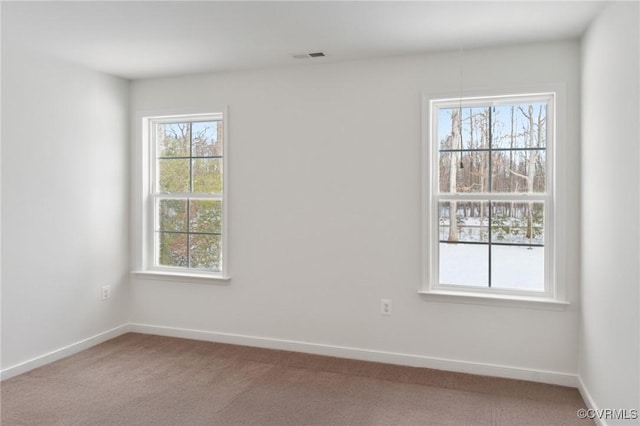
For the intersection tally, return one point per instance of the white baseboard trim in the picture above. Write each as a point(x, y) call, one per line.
point(63, 352)
point(550, 377)
point(591, 405)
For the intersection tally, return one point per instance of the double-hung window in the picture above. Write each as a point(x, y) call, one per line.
point(185, 229)
point(489, 204)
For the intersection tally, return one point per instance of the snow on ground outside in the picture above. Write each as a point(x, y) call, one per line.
point(512, 267)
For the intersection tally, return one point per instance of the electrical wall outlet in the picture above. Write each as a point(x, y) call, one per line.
point(105, 292)
point(385, 306)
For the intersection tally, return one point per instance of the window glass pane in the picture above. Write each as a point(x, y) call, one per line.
point(446, 129)
point(173, 139)
point(173, 175)
point(518, 171)
point(205, 252)
point(207, 175)
point(471, 123)
point(464, 264)
point(475, 128)
point(471, 222)
point(172, 249)
point(516, 267)
point(517, 223)
point(540, 175)
point(205, 216)
point(521, 125)
point(466, 171)
point(207, 138)
point(172, 215)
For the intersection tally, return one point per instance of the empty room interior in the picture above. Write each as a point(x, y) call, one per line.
point(320, 212)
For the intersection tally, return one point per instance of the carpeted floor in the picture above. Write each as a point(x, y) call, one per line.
point(138, 379)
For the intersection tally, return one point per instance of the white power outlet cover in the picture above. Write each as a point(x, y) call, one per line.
point(386, 306)
point(105, 292)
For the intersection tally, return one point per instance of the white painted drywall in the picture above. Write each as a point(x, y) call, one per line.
point(64, 203)
point(325, 209)
point(609, 349)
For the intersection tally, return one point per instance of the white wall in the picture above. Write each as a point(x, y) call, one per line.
point(64, 203)
point(610, 356)
point(325, 210)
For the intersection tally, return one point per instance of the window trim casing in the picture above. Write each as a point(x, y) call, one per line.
point(554, 296)
point(143, 220)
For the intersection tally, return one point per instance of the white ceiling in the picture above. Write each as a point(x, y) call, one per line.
point(159, 38)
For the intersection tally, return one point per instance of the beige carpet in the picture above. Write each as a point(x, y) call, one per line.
point(149, 380)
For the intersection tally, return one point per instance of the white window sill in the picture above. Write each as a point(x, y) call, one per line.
point(181, 277)
point(494, 300)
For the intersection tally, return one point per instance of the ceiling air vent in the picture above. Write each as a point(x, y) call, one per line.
point(308, 55)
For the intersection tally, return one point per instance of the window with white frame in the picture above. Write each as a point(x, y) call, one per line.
point(490, 201)
point(186, 221)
